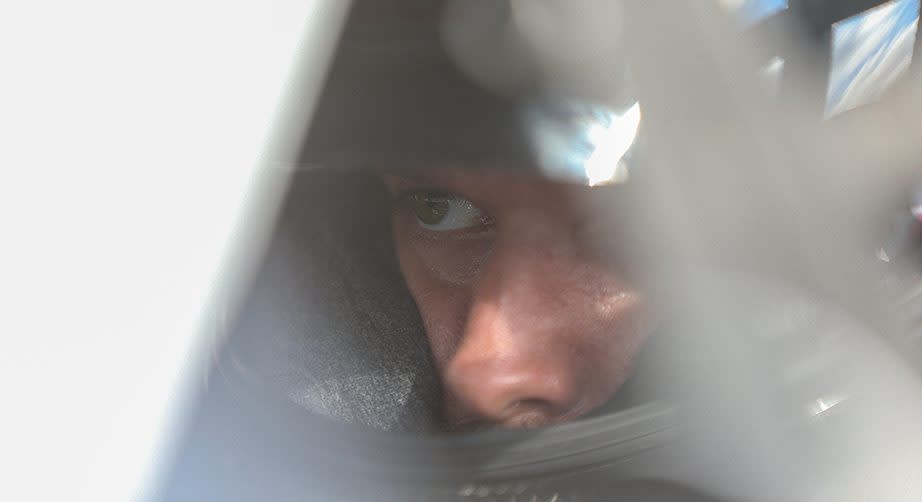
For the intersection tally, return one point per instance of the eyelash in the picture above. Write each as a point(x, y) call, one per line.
point(458, 213)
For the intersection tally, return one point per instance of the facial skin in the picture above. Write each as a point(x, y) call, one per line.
point(526, 326)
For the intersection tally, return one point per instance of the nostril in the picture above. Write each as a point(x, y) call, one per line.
point(519, 395)
point(527, 413)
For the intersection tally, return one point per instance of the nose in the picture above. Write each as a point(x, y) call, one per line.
point(498, 377)
point(547, 338)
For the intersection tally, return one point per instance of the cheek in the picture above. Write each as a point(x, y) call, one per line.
point(599, 322)
point(444, 315)
point(454, 257)
point(612, 305)
point(454, 262)
point(439, 273)
point(612, 331)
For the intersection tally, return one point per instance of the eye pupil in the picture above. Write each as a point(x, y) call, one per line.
point(430, 207)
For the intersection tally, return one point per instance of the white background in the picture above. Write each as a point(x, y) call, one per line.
point(129, 132)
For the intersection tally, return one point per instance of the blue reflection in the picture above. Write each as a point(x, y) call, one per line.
point(869, 52)
point(753, 11)
point(583, 143)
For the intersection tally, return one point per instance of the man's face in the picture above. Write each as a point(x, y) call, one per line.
point(527, 327)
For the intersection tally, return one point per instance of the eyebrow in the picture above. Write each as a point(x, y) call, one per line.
point(412, 180)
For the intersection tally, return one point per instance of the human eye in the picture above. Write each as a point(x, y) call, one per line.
point(443, 211)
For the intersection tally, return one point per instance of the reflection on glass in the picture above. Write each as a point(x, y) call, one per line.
point(583, 143)
point(869, 52)
point(770, 75)
point(753, 11)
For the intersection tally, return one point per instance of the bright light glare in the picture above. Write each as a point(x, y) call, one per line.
point(131, 131)
point(604, 165)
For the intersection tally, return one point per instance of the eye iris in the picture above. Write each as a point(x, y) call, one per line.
point(430, 208)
